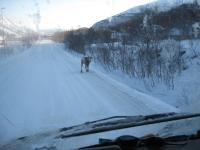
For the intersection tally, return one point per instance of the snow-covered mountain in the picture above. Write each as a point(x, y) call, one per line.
point(159, 5)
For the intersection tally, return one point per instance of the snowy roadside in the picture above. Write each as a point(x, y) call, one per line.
point(125, 83)
point(185, 95)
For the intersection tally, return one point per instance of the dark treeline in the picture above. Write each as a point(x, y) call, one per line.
point(77, 39)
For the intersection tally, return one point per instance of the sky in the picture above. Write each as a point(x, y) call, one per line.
point(63, 14)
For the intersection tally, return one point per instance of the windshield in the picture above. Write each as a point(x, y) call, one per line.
point(67, 62)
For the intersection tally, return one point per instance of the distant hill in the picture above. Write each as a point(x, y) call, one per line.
point(173, 20)
point(159, 5)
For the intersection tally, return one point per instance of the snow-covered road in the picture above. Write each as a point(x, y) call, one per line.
point(42, 89)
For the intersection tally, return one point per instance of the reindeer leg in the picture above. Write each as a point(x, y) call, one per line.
point(85, 67)
point(81, 67)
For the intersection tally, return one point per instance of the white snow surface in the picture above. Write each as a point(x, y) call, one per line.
point(186, 92)
point(42, 89)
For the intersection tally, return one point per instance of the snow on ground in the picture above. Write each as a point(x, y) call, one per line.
point(42, 89)
point(185, 96)
point(12, 48)
point(186, 92)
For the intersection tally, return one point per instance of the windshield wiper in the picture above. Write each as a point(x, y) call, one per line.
point(126, 142)
point(121, 122)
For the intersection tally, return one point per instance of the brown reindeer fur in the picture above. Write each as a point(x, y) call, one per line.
point(86, 60)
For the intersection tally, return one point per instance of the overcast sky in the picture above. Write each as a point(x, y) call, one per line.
point(64, 14)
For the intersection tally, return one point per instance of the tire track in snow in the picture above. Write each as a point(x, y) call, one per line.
point(48, 91)
point(132, 99)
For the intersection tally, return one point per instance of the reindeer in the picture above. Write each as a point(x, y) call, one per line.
point(86, 61)
point(196, 29)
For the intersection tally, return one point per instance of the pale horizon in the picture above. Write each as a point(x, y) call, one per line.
point(64, 14)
